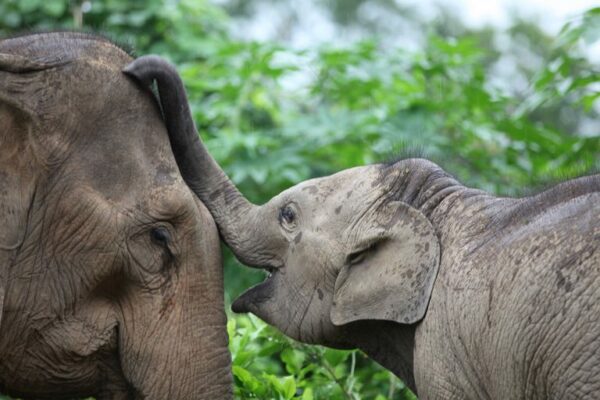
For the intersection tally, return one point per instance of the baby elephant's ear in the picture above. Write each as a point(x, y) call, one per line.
point(394, 280)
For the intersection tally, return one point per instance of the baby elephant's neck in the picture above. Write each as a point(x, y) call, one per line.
point(390, 344)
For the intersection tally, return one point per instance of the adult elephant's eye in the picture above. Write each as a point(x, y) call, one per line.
point(160, 236)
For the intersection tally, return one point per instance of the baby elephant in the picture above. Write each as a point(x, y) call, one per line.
point(461, 294)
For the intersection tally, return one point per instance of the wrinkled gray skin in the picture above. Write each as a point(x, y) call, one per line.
point(110, 268)
point(514, 312)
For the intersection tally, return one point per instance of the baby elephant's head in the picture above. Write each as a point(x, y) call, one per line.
point(338, 249)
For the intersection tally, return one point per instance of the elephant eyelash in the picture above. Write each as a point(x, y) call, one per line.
point(357, 257)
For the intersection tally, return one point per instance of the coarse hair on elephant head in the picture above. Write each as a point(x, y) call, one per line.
point(110, 268)
point(460, 293)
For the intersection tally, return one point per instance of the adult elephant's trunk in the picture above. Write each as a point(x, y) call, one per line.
point(176, 355)
point(232, 212)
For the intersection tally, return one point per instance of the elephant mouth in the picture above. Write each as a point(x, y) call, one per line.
point(251, 299)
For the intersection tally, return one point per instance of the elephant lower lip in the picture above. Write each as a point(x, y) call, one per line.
point(253, 297)
point(240, 306)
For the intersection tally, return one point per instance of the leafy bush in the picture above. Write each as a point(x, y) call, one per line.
point(267, 365)
point(273, 116)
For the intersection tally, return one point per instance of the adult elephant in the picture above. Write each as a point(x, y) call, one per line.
point(110, 270)
point(513, 314)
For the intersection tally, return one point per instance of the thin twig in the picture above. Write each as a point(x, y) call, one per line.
point(352, 367)
point(340, 383)
point(392, 387)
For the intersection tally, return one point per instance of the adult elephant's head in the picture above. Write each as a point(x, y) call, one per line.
point(339, 249)
point(110, 268)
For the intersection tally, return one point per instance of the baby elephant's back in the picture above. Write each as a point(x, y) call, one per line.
point(544, 328)
point(523, 320)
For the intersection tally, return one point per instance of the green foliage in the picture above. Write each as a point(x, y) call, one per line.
point(273, 116)
point(267, 365)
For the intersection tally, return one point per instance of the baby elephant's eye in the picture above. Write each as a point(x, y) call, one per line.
point(160, 236)
point(287, 215)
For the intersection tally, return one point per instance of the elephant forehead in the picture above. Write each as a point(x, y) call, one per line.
point(120, 170)
point(125, 150)
point(348, 186)
point(335, 203)
point(137, 174)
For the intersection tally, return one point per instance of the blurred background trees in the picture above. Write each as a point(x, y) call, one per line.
point(506, 110)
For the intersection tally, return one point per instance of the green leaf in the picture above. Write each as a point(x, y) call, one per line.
point(54, 8)
point(247, 379)
point(336, 357)
point(289, 387)
point(293, 360)
point(27, 6)
point(308, 394)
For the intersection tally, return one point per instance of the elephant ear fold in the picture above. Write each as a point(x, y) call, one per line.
point(2, 292)
point(393, 280)
point(18, 164)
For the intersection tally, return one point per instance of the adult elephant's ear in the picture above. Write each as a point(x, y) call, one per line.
point(18, 92)
point(393, 279)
